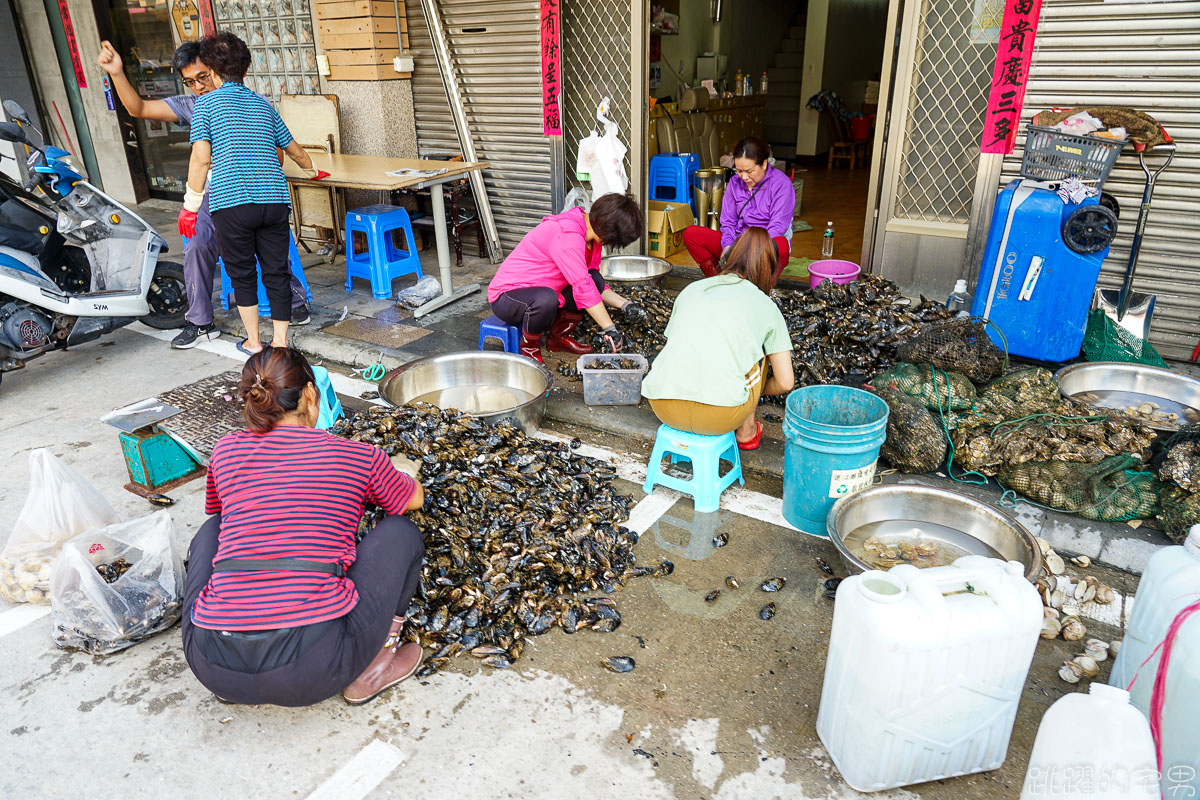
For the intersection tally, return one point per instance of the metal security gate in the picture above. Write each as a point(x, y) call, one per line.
point(925, 170)
point(1146, 56)
point(495, 48)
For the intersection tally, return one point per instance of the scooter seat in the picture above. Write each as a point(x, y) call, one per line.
point(21, 239)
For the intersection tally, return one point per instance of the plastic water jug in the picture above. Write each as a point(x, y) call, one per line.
point(925, 670)
point(1093, 746)
point(1170, 583)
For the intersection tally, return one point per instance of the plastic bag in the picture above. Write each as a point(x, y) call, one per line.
point(608, 175)
point(420, 292)
point(585, 161)
point(61, 504)
point(98, 617)
point(577, 198)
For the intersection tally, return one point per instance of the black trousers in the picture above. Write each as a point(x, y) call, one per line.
point(385, 573)
point(257, 230)
point(535, 307)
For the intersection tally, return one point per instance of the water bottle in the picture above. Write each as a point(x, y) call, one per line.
point(827, 241)
point(762, 84)
point(958, 301)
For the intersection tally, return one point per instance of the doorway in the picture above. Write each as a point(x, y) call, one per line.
point(761, 62)
point(146, 33)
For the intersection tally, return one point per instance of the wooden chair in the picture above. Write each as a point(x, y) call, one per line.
point(317, 211)
point(460, 216)
point(842, 146)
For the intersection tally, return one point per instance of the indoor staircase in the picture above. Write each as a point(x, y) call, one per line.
point(783, 90)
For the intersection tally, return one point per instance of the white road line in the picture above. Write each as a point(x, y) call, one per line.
point(649, 509)
point(20, 616)
point(361, 774)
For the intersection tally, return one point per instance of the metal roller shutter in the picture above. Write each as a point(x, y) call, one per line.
point(1145, 56)
point(495, 45)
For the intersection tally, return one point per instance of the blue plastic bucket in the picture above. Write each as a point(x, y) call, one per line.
point(833, 437)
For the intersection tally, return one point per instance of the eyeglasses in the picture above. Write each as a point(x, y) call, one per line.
point(199, 80)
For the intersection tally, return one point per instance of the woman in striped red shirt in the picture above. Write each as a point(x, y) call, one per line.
point(281, 605)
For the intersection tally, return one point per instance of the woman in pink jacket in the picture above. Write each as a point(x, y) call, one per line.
point(553, 276)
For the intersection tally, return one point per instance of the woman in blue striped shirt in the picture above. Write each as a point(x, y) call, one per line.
point(235, 132)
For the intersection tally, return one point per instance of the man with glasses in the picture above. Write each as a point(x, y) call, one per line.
point(200, 257)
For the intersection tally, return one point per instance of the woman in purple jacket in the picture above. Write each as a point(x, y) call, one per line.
point(758, 196)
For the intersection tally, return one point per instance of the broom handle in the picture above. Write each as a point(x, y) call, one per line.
point(1144, 213)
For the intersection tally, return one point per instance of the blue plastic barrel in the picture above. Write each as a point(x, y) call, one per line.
point(833, 437)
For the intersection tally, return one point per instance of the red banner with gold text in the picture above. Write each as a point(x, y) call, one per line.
point(1010, 75)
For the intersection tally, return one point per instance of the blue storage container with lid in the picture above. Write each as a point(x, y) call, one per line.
point(1040, 268)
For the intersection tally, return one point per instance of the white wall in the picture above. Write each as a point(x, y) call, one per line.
point(696, 35)
point(811, 138)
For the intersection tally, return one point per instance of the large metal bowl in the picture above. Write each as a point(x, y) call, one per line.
point(634, 269)
point(953, 523)
point(1118, 386)
point(490, 385)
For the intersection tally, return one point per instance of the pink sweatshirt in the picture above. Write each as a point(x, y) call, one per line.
point(553, 255)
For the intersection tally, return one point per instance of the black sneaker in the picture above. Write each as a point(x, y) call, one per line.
point(191, 334)
point(300, 315)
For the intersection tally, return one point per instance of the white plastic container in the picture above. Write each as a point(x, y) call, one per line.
point(1093, 746)
point(925, 670)
point(1170, 583)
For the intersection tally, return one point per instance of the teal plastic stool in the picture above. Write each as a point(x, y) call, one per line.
point(706, 454)
point(331, 408)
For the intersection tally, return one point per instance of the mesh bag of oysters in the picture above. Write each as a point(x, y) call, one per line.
point(61, 504)
point(957, 345)
point(117, 585)
point(932, 387)
point(1112, 489)
point(1179, 468)
point(915, 441)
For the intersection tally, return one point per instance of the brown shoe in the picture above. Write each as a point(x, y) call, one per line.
point(385, 671)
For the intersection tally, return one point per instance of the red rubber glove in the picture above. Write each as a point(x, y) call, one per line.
point(320, 174)
point(187, 223)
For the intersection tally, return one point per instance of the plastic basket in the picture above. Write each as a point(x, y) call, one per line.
point(1052, 155)
point(612, 387)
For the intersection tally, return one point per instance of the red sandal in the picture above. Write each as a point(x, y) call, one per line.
point(752, 444)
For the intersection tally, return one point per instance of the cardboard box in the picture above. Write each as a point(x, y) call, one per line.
point(664, 227)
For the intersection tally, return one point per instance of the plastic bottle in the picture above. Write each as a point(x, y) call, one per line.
point(1097, 735)
point(762, 84)
point(827, 241)
point(958, 300)
point(738, 84)
point(1169, 585)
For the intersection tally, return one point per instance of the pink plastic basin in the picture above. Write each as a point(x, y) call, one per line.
point(832, 270)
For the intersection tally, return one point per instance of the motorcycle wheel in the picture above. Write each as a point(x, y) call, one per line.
point(167, 297)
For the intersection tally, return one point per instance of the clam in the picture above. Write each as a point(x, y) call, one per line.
point(1055, 564)
point(1050, 628)
point(1084, 591)
point(1073, 630)
point(1083, 562)
point(1089, 665)
point(1097, 649)
point(1070, 672)
point(1043, 545)
point(1114, 647)
point(1105, 595)
point(1049, 613)
point(1053, 599)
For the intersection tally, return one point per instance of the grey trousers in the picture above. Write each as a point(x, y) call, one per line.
point(200, 270)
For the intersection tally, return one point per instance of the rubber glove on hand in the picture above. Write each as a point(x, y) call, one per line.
point(634, 313)
point(407, 466)
point(314, 174)
point(611, 340)
point(187, 223)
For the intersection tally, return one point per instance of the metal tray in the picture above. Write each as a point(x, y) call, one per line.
point(1117, 386)
point(634, 269)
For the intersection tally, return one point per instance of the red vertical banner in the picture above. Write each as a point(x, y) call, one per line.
point(208, 24)
point(1017, 32)
point(551, 18)
point(72, 45)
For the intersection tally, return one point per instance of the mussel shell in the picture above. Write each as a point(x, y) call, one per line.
point(712, 596)
point(767, 611)
point(720, 540)
point(732, 582)
point(773, 585)
point(618, 664)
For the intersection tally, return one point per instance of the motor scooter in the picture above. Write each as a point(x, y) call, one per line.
point(74, 263)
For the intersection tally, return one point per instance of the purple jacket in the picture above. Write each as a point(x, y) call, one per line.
point(769, 205)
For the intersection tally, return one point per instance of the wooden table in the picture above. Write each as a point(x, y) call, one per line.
point(370, 172)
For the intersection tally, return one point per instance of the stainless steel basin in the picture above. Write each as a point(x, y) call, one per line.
point(489, 385)
point(1118, 386)
point(634, 269)
point(939, 521)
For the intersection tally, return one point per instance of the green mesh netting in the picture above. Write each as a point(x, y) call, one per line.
point(1113, 489)
point(1104, 340)
point(959, 345)
point(1179, 511)
point(915, 441)
point(932, 387)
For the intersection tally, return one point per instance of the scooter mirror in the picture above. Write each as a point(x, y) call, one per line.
point(14, 110)
point(11, 132)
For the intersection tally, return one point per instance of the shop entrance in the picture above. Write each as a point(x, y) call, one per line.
point(756, 65)
point(146, 33)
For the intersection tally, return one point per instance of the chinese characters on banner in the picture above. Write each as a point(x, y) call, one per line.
point(72, 45)
point(208, 23)
point(1017, 33)
point(551, 68)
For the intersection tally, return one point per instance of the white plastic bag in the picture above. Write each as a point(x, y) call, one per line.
point(420, 292)
point(61, 504)
point(608, 176)
point(585, 162)
point(93, 615)
point(577, 197)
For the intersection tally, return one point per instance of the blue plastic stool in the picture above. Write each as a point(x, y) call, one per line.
point(672, 176)
point(264, 305)
point(495, 328)
point(382, 261)
point(331, 408)
point(706, 454)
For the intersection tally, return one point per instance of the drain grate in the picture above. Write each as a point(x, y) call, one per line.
point(210, 409)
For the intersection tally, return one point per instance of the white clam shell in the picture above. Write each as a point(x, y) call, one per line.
point(1114, 647)
point(1089, 665)
point(1097, 649)
point(1073, 630)
point(1055, 564)
point(1070, 672)
point(1081, 561)
point(1043, 545)
point(1050, 628)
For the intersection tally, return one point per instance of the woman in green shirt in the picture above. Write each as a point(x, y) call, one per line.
point(723, 333)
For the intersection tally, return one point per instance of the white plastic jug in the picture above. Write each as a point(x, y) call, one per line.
point(1093, 746)
point(1170, 583)
point(925, 670)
